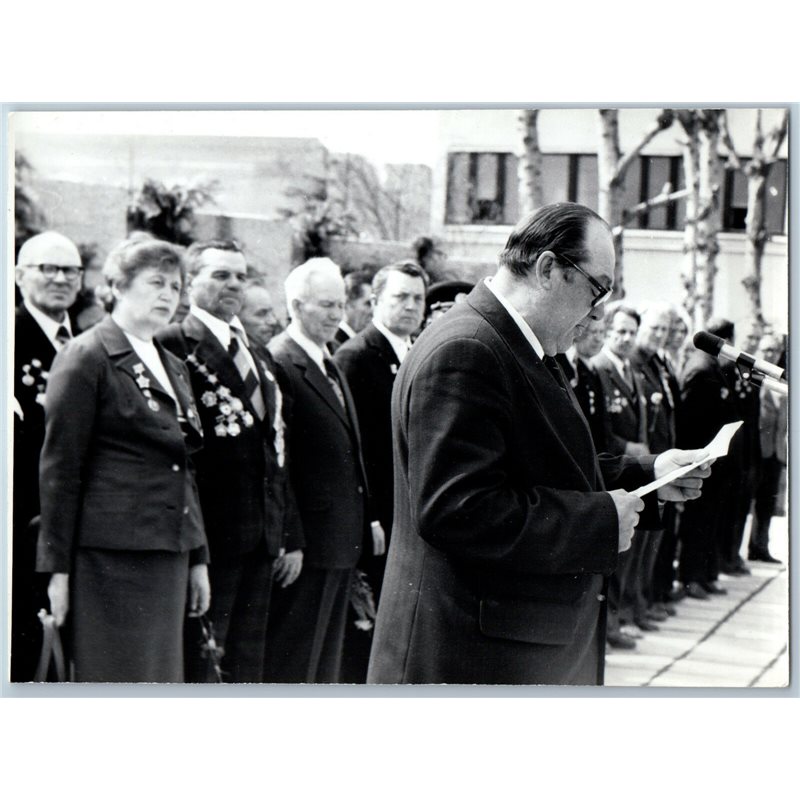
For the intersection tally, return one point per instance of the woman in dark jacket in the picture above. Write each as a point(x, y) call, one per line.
point(121, 529)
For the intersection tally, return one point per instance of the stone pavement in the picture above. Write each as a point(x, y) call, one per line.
point(738, 640)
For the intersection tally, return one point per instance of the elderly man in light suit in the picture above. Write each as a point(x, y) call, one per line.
point(504, 529)
point(307, 626)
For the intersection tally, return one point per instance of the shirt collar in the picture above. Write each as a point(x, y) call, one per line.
point(616, 361)
point(48, 325)
point(527, 332)
point(312, 349)
point(399, 345)
point(572, 355)
point(220, 328)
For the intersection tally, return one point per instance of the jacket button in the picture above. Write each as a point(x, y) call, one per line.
point(361, 490)
point(186, 509)
point(176, 468)
point(600, 598)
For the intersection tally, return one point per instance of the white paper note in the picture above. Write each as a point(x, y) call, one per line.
point(717, 448)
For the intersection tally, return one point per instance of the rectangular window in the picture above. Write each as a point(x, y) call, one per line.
point(482, 189)
point(735, 198)
point(655, 172)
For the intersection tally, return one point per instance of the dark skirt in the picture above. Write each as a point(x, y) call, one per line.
point(127, 611)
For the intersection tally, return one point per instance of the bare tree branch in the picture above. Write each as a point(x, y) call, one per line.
point(662, 122)
point(733, 159)
point(665, 196)
point(777, 135)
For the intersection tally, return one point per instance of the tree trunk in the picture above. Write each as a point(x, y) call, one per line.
point(609, 188)
point(710, 171)
point(757, 236)
point(691, 169)
point(530, 165)
point(765, 153)
point(703, 171)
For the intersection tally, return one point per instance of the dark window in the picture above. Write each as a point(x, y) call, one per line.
point(482, 189)
point(655, 172)
point(735, 200)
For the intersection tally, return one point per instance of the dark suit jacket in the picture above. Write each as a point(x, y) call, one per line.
point(660, 400)
point(30, 346)
point(588, 389)
point(115, 468)
point(748, 400)
point(339, 338)
point(325, 465)
point(708, 401)
point(503, 529)
point(626, 409)
point(242, 483)
point(370, 365)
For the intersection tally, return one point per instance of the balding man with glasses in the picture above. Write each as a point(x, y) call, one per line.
point(49, 276)
point(505, 525)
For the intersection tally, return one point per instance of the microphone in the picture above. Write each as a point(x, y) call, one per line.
point(713, 345)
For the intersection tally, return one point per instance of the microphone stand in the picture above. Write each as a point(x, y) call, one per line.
point(749, 372)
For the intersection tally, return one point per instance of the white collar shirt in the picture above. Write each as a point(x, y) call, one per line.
point(399, 345)
point(618, 363)
point(311, 349)
point(526, 329)
point(222, 331)
point(48, 325)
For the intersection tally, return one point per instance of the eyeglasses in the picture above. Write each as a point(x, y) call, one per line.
point(51, 270)
point(601, 293)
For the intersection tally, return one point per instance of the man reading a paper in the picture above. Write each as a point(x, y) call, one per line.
point(504, 528)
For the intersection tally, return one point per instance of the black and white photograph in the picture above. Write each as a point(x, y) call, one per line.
point(418, 397)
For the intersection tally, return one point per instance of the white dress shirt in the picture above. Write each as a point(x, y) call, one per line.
point(399, 345)
point(48, 325)
point(222, 331)
point(152, 360)
point(527, 332)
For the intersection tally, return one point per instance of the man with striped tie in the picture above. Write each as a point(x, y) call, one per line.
point(48, 274)
point(241, 469)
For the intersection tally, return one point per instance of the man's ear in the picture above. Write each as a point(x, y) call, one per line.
point(545, 264)
point(18, 274)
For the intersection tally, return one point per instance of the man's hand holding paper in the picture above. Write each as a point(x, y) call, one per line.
point(688, 485)
point(680, 473)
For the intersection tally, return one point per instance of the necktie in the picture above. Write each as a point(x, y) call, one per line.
point(626, 374)
point(333, 379)
point(251, 387)
point(62, 335)
point(555, 370)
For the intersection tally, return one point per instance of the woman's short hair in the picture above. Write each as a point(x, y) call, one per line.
point(559, 227)
point(137, 253)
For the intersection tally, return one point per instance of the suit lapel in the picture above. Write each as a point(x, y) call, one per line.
point(209, 352)
point(125, 359)
point(541, 383)
point(176, 371)
point(314, 377)
point(269, 387)
point(378, 342)
point(33, 343)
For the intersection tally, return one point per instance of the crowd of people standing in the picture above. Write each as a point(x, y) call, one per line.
point(200, 495)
